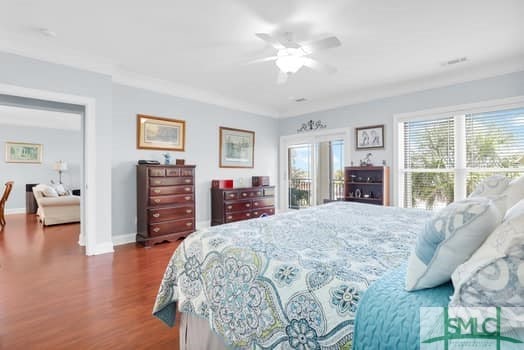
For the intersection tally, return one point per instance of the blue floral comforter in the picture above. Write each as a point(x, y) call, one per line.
point(291, 281)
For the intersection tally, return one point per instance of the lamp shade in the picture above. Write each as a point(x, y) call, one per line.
point(60, 166)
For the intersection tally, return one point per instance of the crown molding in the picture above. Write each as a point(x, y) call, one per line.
point(451, 77)
point(137, 80)
point(133, 79)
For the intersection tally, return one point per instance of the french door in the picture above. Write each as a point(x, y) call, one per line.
point(312, 169)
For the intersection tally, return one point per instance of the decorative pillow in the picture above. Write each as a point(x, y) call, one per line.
point(494, 275)
point(60, 190)
point(46, 190)
point(515, 191)
point(514, 211)
point(449, 239)
point(494, 188)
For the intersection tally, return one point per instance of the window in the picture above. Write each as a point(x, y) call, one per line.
point(442, 159)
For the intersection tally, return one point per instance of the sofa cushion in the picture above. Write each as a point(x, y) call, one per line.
point(59, 201)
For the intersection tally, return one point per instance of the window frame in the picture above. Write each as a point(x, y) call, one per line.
point(458, 112)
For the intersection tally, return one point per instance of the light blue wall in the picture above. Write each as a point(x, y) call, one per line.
point(35, 74)
point(53, 149)
point(202, 123)
point(381, 111)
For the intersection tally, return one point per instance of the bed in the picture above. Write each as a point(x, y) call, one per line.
point(291, 281)
point(388, 316)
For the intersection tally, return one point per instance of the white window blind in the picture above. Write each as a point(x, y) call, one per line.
point(445, 158)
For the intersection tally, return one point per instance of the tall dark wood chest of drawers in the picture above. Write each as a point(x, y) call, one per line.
point(166, 202)
point(236, 204)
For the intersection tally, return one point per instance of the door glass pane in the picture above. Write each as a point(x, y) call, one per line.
point(300, 176)
point(337, 170)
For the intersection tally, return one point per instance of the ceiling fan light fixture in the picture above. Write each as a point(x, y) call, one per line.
point(289, 60)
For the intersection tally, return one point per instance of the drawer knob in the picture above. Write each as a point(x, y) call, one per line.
point(255, 212)
point(188, 181)
point(189, 224)
point(157, 200)
point(229, 207)
point(156, 229)
point(187, 198)
point(232, 195)
point(244, 194)
point(230, 217)
point(248, 205)
point(157, 191)
point(255, 204)
point(248, 214)
point(189, 211)
point(156, 215)
point(188, 189)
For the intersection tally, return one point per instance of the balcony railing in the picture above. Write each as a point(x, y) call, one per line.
point(300, 192)
point(336, 189)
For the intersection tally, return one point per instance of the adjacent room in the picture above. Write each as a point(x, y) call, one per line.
point(242, 174)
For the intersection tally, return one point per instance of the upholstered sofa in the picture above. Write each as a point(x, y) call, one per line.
point(57, 210)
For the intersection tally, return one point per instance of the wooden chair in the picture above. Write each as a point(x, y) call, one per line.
point(7, 191)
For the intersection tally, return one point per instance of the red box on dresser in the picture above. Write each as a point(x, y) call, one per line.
point(165, 202)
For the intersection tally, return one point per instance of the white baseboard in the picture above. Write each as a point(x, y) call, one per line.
point(131, 237)
point(15, 211)
point(124, 239)
point(102, 248)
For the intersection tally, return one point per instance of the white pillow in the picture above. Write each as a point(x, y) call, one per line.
point(448, 240)
point(46, 190)
point(494, 275)
point(515, 191)
point(60, 190)
point(514, 211)
point(494, 188)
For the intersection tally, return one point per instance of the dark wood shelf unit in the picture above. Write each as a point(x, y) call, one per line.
point(369, 180)
point(237, 204)
point(165, 203)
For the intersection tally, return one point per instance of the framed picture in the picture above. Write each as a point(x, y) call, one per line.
point(237, 148)
point(370, 137)
point(160, 133)
point(18, 152)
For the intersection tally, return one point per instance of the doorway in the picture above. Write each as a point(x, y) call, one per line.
point(312, 168)
point(87, 236)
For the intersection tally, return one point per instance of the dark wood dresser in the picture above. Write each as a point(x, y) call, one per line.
point(166, 202)
point(236, 204)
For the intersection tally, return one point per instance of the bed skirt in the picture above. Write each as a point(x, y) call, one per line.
point(195, 334)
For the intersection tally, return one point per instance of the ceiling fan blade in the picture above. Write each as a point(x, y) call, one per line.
point(322, 67)
point(265, 59)
point(285, 42)
point(321, 44)
point(270, 40)
point(282, 77)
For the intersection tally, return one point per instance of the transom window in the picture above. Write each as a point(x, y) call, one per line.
point(441, 159)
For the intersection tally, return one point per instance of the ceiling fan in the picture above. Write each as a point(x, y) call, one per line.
point(291, 56)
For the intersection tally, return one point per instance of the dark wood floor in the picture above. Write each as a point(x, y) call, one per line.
point(54, 297)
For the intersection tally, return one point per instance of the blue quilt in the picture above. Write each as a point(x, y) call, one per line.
point(388, 316)
point(291, 281)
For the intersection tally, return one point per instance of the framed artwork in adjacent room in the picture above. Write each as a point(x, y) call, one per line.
point(160, 133)
point(19, 152)
point(370, 137)
point(237, 148)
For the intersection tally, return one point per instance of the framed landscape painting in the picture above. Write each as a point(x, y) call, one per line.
point(237, 148)
point(370, 137)
point(18, 152)
point(160, 133)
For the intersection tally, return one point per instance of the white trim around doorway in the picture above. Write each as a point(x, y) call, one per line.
point(87, 235)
